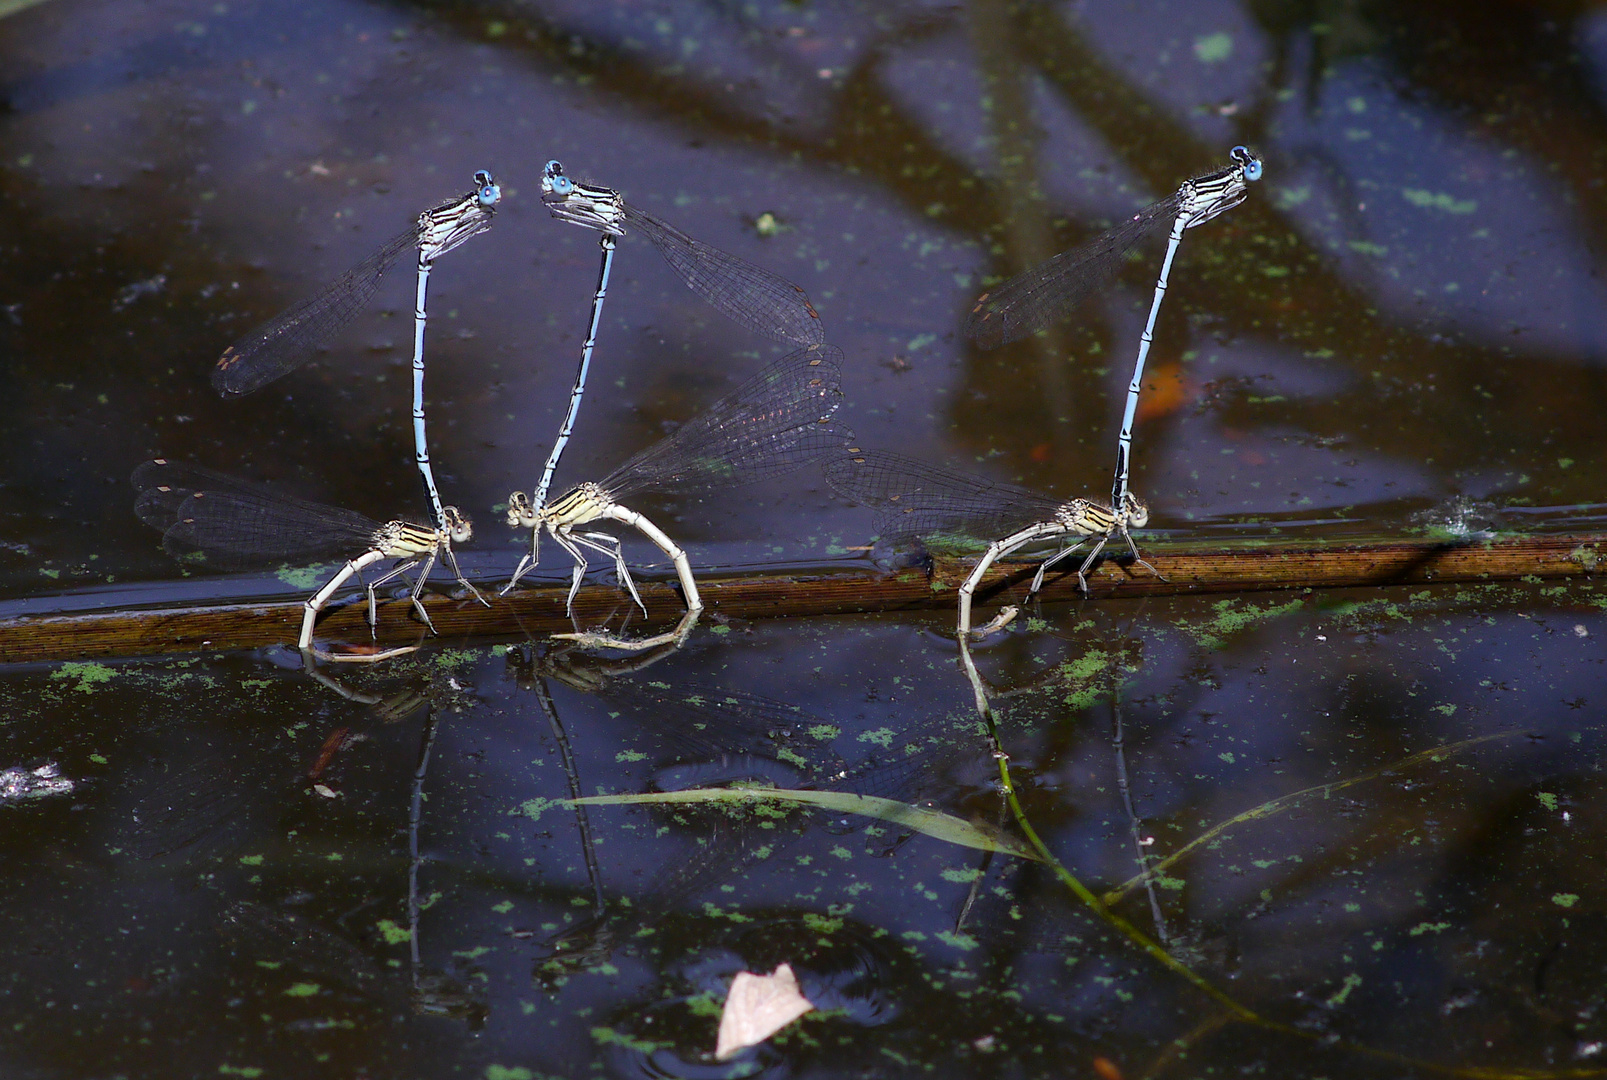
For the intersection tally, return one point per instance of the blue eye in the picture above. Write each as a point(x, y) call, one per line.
point(562, 185)
point(489, 193)
point(554, 168)
point(1247, 161)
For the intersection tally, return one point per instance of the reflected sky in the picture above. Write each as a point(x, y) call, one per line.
point(177, 173)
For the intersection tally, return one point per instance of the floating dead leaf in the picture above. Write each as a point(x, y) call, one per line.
point(757, 1007)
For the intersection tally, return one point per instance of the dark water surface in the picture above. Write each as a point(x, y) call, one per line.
point(260, 874)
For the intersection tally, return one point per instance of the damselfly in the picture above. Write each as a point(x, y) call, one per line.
point(776, 422)
point(289, 340)
point(762, 301)
point(234, 524)
point(1040, 296)
point(915, 501)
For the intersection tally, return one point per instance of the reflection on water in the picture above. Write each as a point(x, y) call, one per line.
point(1368, 818)
point(1359, 816)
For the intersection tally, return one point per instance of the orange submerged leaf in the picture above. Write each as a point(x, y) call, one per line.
point(1166, 390)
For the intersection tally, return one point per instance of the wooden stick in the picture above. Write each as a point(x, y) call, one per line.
point(854, 588)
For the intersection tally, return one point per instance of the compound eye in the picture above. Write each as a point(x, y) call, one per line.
point(562, 185)
point(1246, 161)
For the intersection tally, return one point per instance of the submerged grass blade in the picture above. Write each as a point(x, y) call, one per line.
point(1115, 921)
point(1240, 1013)
point(1285, 802)
point(933, 823)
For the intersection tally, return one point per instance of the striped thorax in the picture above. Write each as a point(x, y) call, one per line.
point(444, 227)
point(1204, 197)
point(405, 540)
point(569, 200)
point(1086, 518)
point(581, 504)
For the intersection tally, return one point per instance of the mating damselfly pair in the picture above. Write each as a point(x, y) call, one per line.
point(916, 501)
point(782, 419)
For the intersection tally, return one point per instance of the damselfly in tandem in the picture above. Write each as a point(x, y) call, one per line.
point(290, 339)
point(915, 501)
point(235, 525)
point(778, 421)
point(764, 302)
point(1050, 291)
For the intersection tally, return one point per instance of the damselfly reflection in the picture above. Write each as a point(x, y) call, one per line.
point(234, 525)
point(685, 735)
point(694, 734)
point(702, 850)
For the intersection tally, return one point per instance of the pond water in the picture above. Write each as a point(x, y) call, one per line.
point(1329, 834)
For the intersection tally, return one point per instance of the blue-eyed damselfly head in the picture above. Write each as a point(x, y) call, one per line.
point(488, 193)
point(458, 528)
point(1246, 159)
point(553, 180)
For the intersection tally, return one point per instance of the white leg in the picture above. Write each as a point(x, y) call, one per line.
point(457, 572)
point(683, 571)
point(1043, 567)
point(527, 562)
point(418, 590)
point(390, 575)
point(318, 600)
point(604, 544)
point(561, 534)
point(1082, 580)
point(1139, 559)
